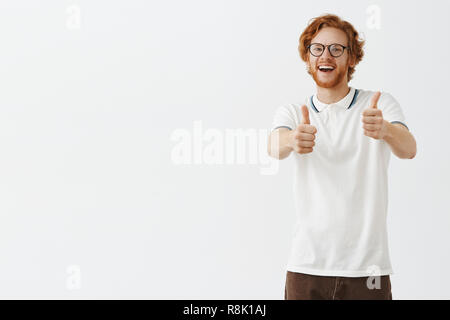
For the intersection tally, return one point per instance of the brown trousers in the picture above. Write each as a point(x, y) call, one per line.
point(300, 286)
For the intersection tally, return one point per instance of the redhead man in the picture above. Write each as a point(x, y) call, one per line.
point(341, 138)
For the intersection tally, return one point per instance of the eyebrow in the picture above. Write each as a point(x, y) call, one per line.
point(329, 44)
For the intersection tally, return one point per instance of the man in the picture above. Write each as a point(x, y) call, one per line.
point(341, 139)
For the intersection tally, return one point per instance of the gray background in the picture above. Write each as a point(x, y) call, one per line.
point(87, 110)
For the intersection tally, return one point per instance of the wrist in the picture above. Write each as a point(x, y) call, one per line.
point(388, 131)
point(289, 140)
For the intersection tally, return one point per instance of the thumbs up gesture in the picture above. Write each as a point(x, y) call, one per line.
point(302, 138)
point(373, 123)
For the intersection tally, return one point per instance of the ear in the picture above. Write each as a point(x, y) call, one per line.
point(351, 61)
point(308, 66)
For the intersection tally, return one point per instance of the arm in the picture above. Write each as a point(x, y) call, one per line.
point(397, 136)
point(282, 149)
point(283, 141)
point(400, 140)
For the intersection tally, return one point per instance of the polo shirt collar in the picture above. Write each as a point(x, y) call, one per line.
point(345, 103)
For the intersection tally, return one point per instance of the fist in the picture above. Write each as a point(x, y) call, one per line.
point(302, 138)
point(372, 118)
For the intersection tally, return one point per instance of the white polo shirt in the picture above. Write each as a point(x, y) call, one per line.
point(341, 188)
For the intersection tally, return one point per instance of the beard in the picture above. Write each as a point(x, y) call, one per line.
point(338, 75)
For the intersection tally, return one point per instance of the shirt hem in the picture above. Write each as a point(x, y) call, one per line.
point(339, 273)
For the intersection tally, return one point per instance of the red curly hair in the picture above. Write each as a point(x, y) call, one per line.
point(330, 20)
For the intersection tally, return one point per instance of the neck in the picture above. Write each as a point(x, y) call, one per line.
point(334, 94)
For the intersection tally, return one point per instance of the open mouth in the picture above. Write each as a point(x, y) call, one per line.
point(326, 68)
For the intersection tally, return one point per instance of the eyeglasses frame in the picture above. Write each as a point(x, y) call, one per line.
point(328, 46)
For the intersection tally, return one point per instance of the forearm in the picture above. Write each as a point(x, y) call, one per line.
point(278, 145)
point(401, 141)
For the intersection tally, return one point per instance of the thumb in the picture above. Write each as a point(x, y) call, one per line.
point(305, 115)
point(374, 101)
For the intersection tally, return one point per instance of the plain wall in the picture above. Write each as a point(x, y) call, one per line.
point(93, 95)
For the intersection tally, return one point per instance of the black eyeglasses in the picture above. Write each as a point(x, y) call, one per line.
point(335, 49)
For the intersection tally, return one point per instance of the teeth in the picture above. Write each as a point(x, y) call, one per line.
point(326, 67)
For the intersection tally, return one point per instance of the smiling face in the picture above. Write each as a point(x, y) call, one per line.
point(326, 70)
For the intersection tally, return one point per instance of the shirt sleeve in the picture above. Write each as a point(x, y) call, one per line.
point(284, 118)
point(391, 109)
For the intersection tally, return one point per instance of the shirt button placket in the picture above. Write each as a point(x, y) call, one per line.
point(333, 116)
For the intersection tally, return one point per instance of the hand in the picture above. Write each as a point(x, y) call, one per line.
point(373, 123)
point(302, 138)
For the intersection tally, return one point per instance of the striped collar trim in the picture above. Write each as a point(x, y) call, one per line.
point(353, 94)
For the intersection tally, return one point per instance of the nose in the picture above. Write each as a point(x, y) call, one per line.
point(326, 54)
